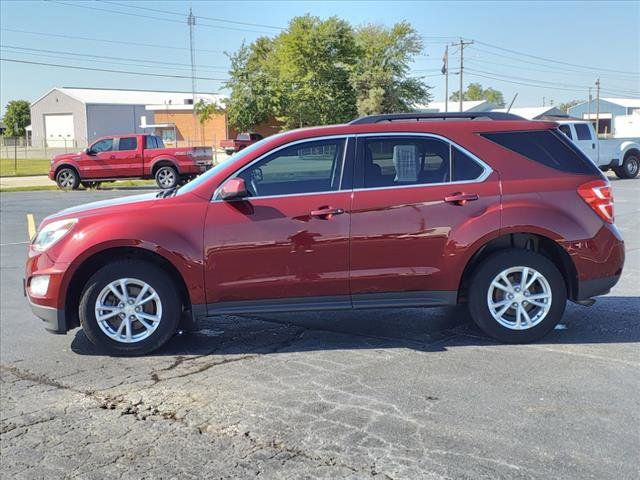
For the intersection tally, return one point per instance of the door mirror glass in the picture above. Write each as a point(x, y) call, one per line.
point(88, 151)
point(234, 189)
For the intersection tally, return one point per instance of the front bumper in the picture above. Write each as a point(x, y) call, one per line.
point(54, 319)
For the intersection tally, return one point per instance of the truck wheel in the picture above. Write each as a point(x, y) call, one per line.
point(129, 307)
point(67, 179)
point(229, 152)
point(630, 167)
point(89, 185)
point(167, 177)
point(517, 296)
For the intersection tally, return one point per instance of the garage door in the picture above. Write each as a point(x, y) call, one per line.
point(58, 130)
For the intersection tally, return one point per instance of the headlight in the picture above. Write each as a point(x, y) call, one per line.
point(53, 232)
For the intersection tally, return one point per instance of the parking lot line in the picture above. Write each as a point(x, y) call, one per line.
point(31, 226)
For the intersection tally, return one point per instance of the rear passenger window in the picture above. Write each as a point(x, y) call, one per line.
point(548, 147)
point(566, 129)
point(128, 143)
point(398, 161)
point(582, 131)
point(464, 167)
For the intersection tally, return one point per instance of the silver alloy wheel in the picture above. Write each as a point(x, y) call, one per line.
point(632, 167)
point(128, 310)
point(166, 177)
point(519, 298)
point(66, 179)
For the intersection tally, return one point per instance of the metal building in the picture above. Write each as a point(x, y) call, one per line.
point(74, 117)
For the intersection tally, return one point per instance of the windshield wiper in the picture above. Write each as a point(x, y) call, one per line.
point(167, 193)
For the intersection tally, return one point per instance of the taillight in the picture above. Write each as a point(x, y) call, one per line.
point(597, 194)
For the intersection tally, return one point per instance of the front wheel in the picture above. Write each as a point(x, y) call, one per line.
point(517, 296)
point(129, 307)
point(630, 167)
point(91, 185)
point(67, 179)
point(167, 177)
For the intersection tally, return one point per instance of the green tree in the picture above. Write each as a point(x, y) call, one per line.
point(475, 92)
point(567, 105)
point(251, 100)
point(380, 75)
point(311, 62)
point(319, 72)
point(17, 114)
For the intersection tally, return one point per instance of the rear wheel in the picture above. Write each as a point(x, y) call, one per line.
point(67, 178)
point(167, 177)
point(129, 307)
point(517, 296)
point(630, 167)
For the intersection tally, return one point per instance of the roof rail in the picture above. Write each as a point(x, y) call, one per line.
point(418, 116)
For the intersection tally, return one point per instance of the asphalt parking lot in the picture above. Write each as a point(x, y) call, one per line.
point(389, 394)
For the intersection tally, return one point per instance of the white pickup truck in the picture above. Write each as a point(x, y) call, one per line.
point(622, 155)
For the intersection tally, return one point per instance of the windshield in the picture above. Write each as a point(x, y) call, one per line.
point(213, 171)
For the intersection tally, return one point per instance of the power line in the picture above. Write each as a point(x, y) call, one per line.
point(236, 22)
point(137, 60)
point(108, 70)
point(555, 61)
point(152, 17)
point(103, 40)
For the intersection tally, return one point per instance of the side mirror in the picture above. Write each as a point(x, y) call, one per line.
point(88, 151)
point(234, 189)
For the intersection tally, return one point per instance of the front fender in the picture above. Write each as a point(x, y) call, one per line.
point(155, 230)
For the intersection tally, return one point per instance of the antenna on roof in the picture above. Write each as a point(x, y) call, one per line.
point(511, 104)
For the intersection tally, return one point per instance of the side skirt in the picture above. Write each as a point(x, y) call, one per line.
point(338, 302)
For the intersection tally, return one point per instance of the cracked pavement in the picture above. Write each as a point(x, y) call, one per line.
point(390, 394)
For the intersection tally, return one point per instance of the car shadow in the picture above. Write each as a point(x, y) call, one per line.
point(611, 320)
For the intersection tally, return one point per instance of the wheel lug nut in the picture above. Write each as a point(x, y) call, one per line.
point(137, 309)
point(514, 305)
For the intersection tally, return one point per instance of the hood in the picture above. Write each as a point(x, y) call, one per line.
point(67, 156)
point(145, 200)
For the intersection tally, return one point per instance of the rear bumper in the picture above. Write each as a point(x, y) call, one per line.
point(597, 286)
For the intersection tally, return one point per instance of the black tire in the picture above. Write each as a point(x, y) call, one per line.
point(630, 167)
point(89, 185)
point(157, 279)
point(229, 152)
point(481, 283)
point(167, 177)
point(67, 178)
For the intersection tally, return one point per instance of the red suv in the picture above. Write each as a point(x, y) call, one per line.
point(406, 210)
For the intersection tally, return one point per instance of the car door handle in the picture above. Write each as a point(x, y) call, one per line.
point(461, 198)
point(326, 212)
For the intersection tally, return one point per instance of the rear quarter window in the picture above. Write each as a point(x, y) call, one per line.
point(548, 147)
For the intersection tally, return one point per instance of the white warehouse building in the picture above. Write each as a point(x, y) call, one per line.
point(74, 117)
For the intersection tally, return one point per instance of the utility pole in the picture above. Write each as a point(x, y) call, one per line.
point(445, 70)
point(191, 21)
point(462, 44)
point(597, 107)
point(590, 100)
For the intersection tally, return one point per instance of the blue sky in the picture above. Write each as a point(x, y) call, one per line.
point(597, 38)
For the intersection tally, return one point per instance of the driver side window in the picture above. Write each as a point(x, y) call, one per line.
point(307, 167)
point(105, 145)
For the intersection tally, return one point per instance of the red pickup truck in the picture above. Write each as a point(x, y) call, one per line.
point(243, 140)
point(129, 156)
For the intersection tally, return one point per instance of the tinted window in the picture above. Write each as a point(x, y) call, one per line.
point(255, 137)
point(105, 145)
point(414, 161)
point(566, 129)
point(128, 143)
point(302, 168)
point(582, 131)
point(159, 142)
point(546, 147)
point(464, 167)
